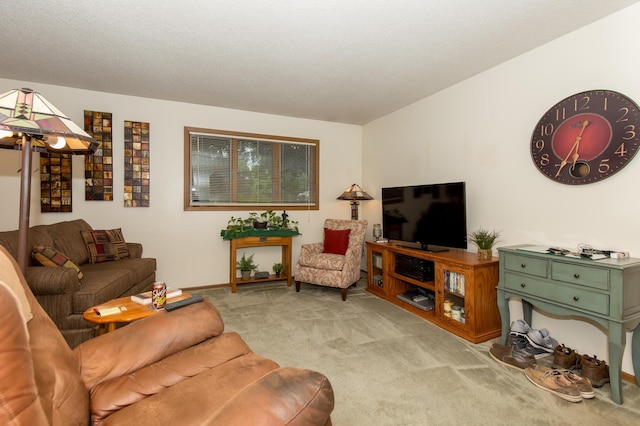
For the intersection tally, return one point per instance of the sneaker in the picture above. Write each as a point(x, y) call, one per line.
point(566, 358)
point(520, 328)
point(524, 345)
point(553, 381)
point(596, 370)
point(542, 339)
point(511, 356)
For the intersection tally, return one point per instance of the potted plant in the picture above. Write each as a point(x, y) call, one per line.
point(485, 240)
point(278, 268)
point(246, 265)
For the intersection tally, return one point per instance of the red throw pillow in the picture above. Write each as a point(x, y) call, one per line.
point(336, 241)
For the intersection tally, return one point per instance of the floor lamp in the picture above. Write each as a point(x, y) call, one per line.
point(354, 193)
point(28, 122)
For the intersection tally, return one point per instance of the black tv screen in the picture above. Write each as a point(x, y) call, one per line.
point(430, 217)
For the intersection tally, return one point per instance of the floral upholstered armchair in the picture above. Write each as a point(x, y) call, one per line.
point(335, 262)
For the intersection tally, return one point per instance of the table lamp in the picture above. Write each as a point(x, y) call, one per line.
point(29, 122)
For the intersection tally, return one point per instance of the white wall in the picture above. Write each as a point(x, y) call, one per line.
point(187, 245)
point(479, 131)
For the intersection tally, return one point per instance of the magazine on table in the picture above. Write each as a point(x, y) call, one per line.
point(145, 298)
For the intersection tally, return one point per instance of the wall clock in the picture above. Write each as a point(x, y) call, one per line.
point(586, 137)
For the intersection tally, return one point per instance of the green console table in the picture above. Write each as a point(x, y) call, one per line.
point(605, 291)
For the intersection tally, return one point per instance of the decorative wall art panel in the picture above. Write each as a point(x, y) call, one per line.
point(98, 167)
point(55, 182)
point(136, 164)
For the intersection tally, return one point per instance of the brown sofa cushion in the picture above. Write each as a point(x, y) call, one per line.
point(104, 245)
point(48, 256)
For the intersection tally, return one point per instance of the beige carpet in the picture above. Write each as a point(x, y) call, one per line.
point(390, 367)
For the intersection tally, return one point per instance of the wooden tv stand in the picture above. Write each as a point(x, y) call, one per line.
point(460, 278)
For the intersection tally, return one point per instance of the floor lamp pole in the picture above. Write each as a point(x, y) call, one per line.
point(25, 204)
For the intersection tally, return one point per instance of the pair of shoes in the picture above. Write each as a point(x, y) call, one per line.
point(514, 355)
point(567, 358)
point(596, 370)
point(553, 381)
point(582, 384)
point(539, 339)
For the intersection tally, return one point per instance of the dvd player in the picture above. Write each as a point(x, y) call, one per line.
point(413, 267)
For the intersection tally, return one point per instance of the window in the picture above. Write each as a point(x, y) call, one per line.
point(242, 171)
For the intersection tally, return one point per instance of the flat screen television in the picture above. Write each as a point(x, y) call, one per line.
point(429, 217)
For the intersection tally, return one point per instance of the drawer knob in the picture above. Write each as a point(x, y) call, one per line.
point(576, 298)
point(523, 265)
point(523, 285)
point(576, 275)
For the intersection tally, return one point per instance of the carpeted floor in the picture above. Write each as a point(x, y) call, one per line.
point(390, 367)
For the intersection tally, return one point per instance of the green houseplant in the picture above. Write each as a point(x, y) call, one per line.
point(484, 240)
point(278, 268)
point(246, 266)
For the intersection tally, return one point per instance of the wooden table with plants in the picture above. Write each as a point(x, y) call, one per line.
point(259, 230)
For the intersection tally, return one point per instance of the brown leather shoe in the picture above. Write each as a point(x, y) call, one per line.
point(596, 370)
point(511, 356)
point(582, 384)
point(566, 358)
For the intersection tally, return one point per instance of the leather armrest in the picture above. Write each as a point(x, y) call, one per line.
point(52, 280)
point(146, 341)
point(285, 396)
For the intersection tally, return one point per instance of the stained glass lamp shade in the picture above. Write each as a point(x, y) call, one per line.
point(29, 122)
point(354, 193)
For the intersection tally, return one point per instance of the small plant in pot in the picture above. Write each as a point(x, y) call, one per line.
point(278, 268)
point(246, 266)
point(485, 240)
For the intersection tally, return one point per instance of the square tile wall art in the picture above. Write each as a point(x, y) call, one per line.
point(55, 182)
point(98, 167)
point(136, 164)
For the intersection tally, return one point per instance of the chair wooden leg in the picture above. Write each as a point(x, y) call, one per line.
point(297, 286)
point(344, 294)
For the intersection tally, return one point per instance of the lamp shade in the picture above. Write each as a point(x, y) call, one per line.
point(25, 112)
point(29, 122)
point(354, 192)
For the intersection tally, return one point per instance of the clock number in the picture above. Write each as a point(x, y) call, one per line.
point(540, 145)
point(560, 114)
point(546, 129)
point(621, 151)
point(623, 116)
point(606, 104)
point(629, 132)
point(603, 167)
point(544, 160)
point(582, 105)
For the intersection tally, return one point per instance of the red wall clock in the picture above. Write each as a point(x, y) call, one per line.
point(586, 137)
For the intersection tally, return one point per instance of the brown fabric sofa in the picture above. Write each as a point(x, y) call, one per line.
point(62, 294)
point(170, 368)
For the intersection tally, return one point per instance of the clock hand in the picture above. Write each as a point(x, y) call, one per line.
point(575, 146)
point(585, 123)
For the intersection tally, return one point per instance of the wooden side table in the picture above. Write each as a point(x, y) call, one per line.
point(260, 241)
point(129, 311)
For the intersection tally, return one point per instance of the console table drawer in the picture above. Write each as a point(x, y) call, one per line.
point(560, 294)
point(583, 275)
point(527, 265)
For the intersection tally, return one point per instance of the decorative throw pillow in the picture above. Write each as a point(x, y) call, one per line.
point(47, 256)
point(336, 241)
point(105, 245)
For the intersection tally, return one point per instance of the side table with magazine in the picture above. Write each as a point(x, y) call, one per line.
point(123, 310)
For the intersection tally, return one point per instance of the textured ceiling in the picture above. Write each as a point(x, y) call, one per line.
point(348, 61)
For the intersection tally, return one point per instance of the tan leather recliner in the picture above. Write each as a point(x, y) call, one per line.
point(171, 368)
